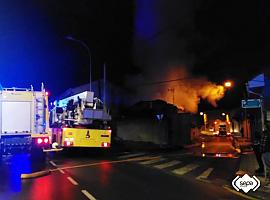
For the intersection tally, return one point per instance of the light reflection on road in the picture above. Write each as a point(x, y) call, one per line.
point(16, 165)
point(12, 166)
point(219, 147)
point(105, 171)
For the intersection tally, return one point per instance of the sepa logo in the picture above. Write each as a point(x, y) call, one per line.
point(246, 183)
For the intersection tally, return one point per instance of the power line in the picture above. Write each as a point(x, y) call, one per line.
point(166, 81)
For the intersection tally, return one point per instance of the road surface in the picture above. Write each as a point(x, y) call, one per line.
point(181, 174)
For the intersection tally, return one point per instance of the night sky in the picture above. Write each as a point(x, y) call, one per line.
point(234, 37)
point(33, 48)
point(222, 40)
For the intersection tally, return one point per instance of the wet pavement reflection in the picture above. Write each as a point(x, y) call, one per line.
point(12, 166)
point(215, 146)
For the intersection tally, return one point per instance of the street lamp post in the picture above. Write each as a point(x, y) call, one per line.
point(261, 107)
point(204, 119)
point(89, 54)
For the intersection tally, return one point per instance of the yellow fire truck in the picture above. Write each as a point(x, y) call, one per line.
point(24, 120)
point(80, 121)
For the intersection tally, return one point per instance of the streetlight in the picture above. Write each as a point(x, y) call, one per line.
point(228, 84)
point(227, 116)
point(89, 54)
point(204, 119)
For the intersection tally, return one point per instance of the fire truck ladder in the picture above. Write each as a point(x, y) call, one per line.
point(40, 113)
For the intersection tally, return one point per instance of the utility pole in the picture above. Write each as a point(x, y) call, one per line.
point(82, 43)
point(246, 124)
point(104, 84)
point(172, 90)
point(261, 106)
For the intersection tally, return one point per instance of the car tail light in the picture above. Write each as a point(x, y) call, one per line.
point(109, 131)
point(46, 140)
point(69, 141)
point(105, 144)
point(39, 140)
point(42, 140)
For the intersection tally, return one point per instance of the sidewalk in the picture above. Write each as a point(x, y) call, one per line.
point(248, 165)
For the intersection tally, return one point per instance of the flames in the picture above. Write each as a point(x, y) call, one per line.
point(187, 91)
point(184, 91)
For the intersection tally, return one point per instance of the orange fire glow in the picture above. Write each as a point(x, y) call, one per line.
point(187, 92)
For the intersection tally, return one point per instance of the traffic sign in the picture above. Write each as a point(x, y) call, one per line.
point(159, 117)
point(251, 103)
point(268, 115)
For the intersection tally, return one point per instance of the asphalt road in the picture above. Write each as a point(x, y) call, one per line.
point(195, 173)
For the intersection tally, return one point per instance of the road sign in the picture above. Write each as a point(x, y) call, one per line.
point(251, 103)
point(268, 115)
point(159, 117)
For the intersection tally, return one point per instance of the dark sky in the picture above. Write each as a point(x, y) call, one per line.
point(33, 48)
point(226, 39)
point(233, 43)
point(234, 37)
point(106, 26)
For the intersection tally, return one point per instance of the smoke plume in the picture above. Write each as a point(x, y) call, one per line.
point(163, 39)
point(179, 88)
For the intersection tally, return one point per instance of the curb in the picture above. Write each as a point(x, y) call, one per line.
point(245, 196)
point(35, 174)
point(52, 150)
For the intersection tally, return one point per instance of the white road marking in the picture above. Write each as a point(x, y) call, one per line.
point(149, 162)
point(185, 169)
point(53, 164)
point(205, 174)
point(131, 155)
point(107, 162)
point(72, 181)
point(168, 164)
point(62, 171)
point(143, 158)
point(88, 195)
